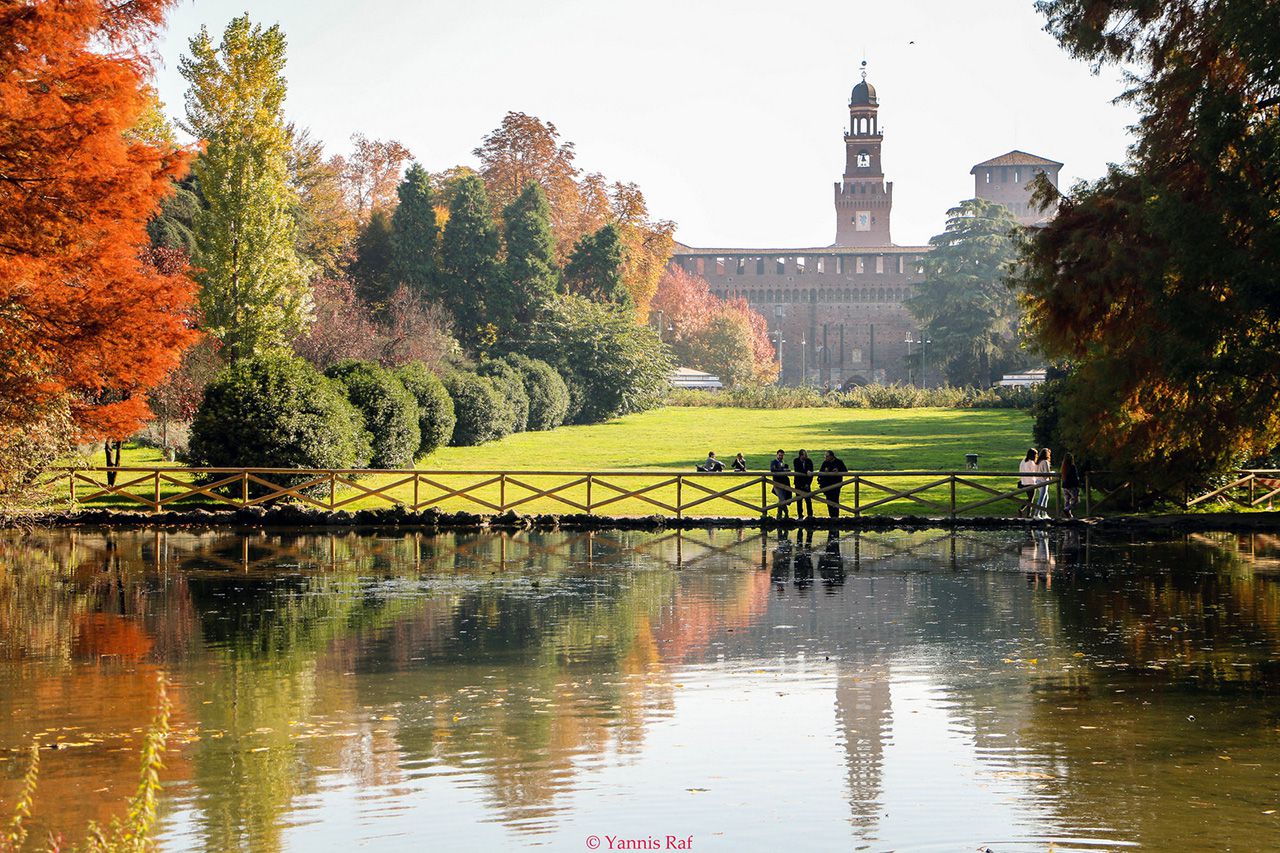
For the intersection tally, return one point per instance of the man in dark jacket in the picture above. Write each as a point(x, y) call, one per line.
point(803, 466)
point(781, 482)
point(829, 475)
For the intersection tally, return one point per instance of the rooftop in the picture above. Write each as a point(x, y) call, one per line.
point(682, 249)
point(1015, 158)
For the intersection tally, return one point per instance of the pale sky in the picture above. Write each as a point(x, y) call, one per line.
point(727, 113)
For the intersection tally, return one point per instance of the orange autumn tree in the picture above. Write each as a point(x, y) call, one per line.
point(87, 321)
point(725, 337)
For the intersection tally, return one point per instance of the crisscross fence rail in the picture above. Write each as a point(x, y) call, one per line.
point(630, 492)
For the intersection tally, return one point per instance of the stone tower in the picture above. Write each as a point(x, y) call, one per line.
point(863, 199)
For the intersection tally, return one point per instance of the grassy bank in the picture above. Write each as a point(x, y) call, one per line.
point(678, 438)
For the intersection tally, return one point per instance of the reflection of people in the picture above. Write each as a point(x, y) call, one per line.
point(804, 560)
point(829, 475)
point(1036, 557)
point(781, 559)
point(831, 564)
point(781, 482)
point(803, 467)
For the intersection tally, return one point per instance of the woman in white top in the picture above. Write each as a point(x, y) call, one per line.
point(1026, 468)
point(1044, 464)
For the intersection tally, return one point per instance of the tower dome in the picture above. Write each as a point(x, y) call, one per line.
point(864, 95)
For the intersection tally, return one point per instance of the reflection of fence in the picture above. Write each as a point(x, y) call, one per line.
point(678, 494)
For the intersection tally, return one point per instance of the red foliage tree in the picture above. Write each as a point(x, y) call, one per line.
point(686, 309)
point(85, 315)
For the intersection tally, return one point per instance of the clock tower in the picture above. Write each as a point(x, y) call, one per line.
point(863, 198)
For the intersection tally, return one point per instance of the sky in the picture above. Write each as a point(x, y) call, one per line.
point(729, 114)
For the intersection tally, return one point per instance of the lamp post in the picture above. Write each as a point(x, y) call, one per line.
point(909, 342)
point(804, 361)
point(924, 349)
point(778, 341)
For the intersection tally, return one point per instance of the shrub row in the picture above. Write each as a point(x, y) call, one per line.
point(862, 397)
point(278, 411)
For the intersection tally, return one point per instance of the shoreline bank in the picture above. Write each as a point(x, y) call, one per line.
point(432, 520)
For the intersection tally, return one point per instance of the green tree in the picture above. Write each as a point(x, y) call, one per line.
point(390, 412)
point(725, 348)
point(595, 268)
point(469, 265)
point(414, 233)
point(964, 302)
point(373, 271)
point(254, 294)
point(612, 365)
point(532, 273)
point(1158, 281)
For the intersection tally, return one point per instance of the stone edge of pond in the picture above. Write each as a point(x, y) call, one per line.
point(434, 519)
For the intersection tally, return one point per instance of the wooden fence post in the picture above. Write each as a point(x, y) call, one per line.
point(156, 490)
point(244, 487)
point(71, 485)
point(502, 492)
point(857, 497)
point(953, 497)
point(679, 495)
point(589, 479)
point(764, 498)
point(333, 490)
point(415, 491)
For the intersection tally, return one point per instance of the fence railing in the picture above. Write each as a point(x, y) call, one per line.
point(639, 492)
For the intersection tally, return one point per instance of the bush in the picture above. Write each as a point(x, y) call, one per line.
point(611, 364)
point(390, 412)
point(548, 394)
point(435, 407)
point(277, 411)
point(479, 407)
point(861, 397)
point(510, 383)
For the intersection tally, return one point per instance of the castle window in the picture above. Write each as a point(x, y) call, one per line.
point(880, 296)
point(861, 265)
point(1015, 176)
point(780, 266)
point(702, 266)
point(719, 266)
point(855, 356)
point(848, 296)
point(800, 264)
point(760, 265)
point(898, 264)
point(820, 265)
point(879, 263)
point(779, 311)
point(742, 266)
point(988, 176)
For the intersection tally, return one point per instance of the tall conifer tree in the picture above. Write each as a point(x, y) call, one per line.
point(415, 233)
point(532, 274)
point(374, 270)
point(595, 267)
point(254, 291)
point(469, 265)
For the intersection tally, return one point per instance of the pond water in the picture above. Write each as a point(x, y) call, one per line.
point(711, 690)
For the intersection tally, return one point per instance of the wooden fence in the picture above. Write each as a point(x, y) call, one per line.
point(673, 493)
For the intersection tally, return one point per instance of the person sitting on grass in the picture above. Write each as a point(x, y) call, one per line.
point(740, 463)
point(712, 465)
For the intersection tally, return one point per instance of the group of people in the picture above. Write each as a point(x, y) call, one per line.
point(793, 483)
point(1031, 476)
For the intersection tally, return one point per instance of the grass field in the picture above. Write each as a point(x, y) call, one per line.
point(678, 438)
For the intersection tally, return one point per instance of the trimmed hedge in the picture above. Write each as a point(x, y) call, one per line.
point(548, 393)
point(436, 417)
point(277, 411)
point(510, 382)
point(390, 412)
point(481, 411)
point(862, 397)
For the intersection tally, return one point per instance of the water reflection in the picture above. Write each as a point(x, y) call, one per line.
point(872, 691)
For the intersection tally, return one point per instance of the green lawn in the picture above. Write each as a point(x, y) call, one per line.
point(675, 439)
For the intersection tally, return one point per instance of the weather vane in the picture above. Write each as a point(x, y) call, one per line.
point(864, 69)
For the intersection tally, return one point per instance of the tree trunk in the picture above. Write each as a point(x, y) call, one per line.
point(113, 461)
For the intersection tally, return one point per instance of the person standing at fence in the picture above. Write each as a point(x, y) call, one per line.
point(803, 466)
point(1070, 485)
point(1044, 465)
point(781, 483)
point(740, 463)
point(1026, 472)
point(829, 475)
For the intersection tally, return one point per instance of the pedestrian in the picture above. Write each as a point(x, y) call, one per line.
point(1026, 468)
point(829, 481)
point(803, 467)
point(712, 465)
point(1070, 485)
point(1044, 465)
point(781, 483)
point(740, 463)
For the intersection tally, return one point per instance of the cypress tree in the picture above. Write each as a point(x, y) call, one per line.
point(414, 233)
point(469, 265)
point(532, 276)
point(595, 267)
point(373, 271)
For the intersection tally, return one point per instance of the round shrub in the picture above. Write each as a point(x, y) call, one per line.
point(435, 406)
point(481, 411)
point(390, 412)
point(510, 383)
point(548, 394)
point(276, 411)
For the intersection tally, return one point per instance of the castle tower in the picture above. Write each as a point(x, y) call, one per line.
point(863, 199)
point(1007, 179)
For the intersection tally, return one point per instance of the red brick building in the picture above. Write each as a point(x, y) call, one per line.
point(836, 312)
point(1007, 179)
